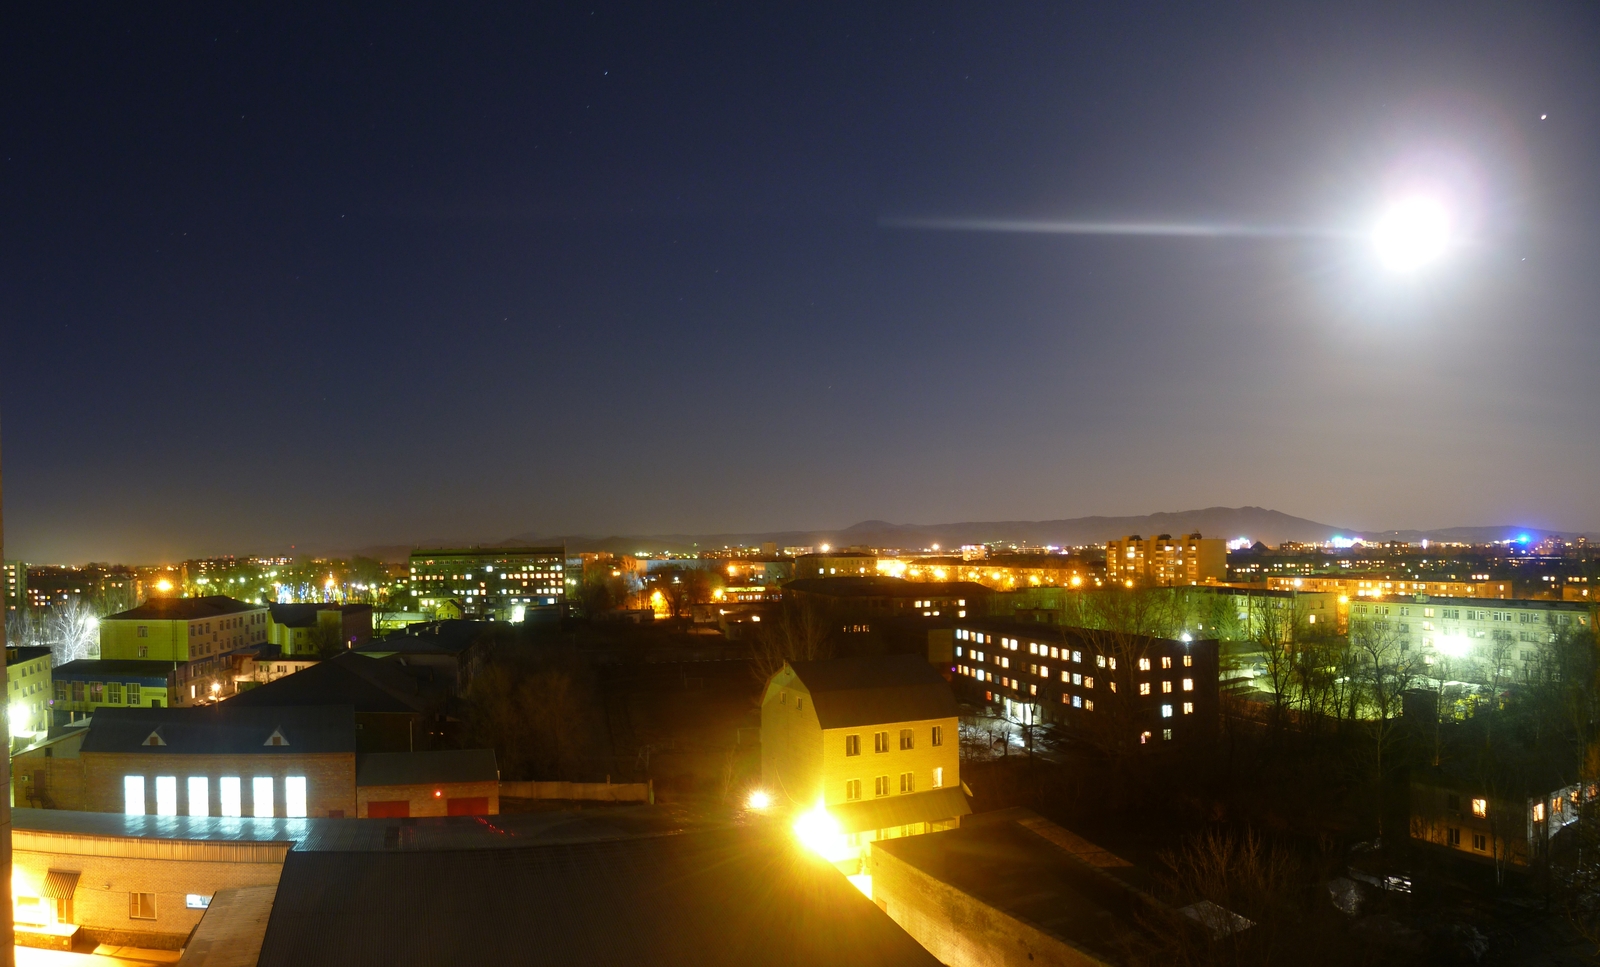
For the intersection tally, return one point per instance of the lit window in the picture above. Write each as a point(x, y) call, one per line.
point(1088, 706)
point(1100, 660)
point(1538, 812)
point(1188, 660)
point(1166, 661)
point(1166, 735)
point(1144, 688)
point(1166, 711)
point(938, 777)
point(1078, 656)
point(1480, 808)
point(1166, 688)
point(166, 795)
point(1144, 664)
point(199, 796)
point(1188, 708)
point(294, 796)
point(133, 795)
point(1188, 684)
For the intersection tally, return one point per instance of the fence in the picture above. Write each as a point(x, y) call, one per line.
point(591, 791)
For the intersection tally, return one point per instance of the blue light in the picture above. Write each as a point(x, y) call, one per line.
point(1523, 539)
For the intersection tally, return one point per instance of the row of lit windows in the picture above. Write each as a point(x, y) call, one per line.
point(882, 786)
point(880, 740)
point(228, 796)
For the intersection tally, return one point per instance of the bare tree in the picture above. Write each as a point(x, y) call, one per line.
point(1387, 669)
point(798, 631)
point(72, 631)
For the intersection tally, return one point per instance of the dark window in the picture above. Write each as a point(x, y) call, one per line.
point(880, 742)
point(908, 739)
point(852, 745)
point(938, 735)
point(1452, 836)
point(1453, 802)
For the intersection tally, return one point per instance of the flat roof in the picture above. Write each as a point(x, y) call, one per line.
point(96, 668)
point(733, 896)
point(1006, 860)
point(505, 831)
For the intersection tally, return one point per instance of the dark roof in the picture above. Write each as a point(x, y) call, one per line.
point(448, 637)
point(305, 615)
point(222, 729)
point(184, 609)
point(426, 768)
point(107, 669)
point(882, 688)
point(1009, 861)
point(736, 896)
point(849, 586)
point(366, 684)
point(25, 653)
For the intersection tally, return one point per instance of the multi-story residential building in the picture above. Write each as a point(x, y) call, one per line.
point(199, 638)
point(1510, 824)
point(1481, 640)
point(502, 583)
point(871, 741)
point(88, 684)
point(1389, 586)
point(836, 564)
point(885, 597)
point(28, 690)
point(1166, 561)
point(302, 629)
point(1008, 573)
point(14, 586)
point(1117, 689)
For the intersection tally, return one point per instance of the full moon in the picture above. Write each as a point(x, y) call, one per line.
point(1411, 233)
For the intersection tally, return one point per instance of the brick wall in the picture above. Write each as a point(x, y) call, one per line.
point(330, 779)
point(110, 868)
point(422, 799)
point(47, 782)
point(957, 928)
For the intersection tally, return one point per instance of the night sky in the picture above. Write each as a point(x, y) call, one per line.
point(372, 276)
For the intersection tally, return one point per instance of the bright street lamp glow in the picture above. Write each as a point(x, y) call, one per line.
point(759, 799)
point(1412, 233)
point(819, 832)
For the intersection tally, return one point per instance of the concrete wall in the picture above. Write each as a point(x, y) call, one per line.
point(593, 791)
point(429, 800)
point(960, 930)
point(330, 779)
point(113, 867)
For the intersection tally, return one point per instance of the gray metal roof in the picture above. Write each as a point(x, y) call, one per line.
point(368, 685)
point(423, 768)
point(223, 729)
point(184, 609)
point(735, 897)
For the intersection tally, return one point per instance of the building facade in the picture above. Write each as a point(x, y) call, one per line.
point(1473, 636)
point(304, 629)
point(14, 586)
point(88, 684)
point(871, 741)
point(28, 691)
point(1117, 689)
point(1166, 561)
point(504, 584)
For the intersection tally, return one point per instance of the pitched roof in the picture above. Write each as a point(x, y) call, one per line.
point(369, 685)
point(222, 729)
point(184, 609)
point(875, 690)
point(426, 768)
point(735, 896)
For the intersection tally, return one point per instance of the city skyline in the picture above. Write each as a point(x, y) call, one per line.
point(567, 271)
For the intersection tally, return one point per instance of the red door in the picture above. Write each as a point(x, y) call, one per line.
point(470, 806)
point(389, 809)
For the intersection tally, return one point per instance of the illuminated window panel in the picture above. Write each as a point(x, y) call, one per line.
point(166, 795)
point(261, 797)
point(133, 795)
point(294, 796)
point(199, 796)
point(228, 796)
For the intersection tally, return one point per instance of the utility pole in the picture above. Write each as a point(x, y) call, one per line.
point(8, 954)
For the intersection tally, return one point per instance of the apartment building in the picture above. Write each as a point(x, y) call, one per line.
point(1166, 561)
point(1476, 636)
point(28, 690)
point(1118, 689)
point(501, 583)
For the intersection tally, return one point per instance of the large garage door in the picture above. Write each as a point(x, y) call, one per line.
point(470, 806)
point(389, 809)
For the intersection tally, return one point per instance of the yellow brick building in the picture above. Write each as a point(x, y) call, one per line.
point(183, 629)
point(28, 691)
point(874, 740)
